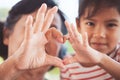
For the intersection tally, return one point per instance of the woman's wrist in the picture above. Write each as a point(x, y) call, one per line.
point(8, 69)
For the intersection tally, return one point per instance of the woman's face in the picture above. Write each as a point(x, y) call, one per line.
point(16, 38)
point(103, 29)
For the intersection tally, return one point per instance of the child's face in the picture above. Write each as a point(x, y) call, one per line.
point(103, 29)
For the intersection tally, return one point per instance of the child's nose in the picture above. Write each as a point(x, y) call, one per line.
point(99, 32)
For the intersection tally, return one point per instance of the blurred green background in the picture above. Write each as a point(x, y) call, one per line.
point(3, 13)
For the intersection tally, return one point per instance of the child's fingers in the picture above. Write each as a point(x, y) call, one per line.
point(74, 30)
point(40, 18)
point(68, 26)
point(70, 31)
point(49, 18)
point(85, 39)
point(77, 35)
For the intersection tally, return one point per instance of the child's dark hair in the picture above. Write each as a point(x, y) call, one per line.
point(28, 6)
point(3, 48)
point(94, 6)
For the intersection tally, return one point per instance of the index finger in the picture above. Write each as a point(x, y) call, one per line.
point(49, 18)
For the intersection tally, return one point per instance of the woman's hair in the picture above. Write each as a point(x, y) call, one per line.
point(94, 6)
point(3, 48)
point(24, 7)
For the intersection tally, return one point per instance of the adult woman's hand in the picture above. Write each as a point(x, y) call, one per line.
point(31, 54)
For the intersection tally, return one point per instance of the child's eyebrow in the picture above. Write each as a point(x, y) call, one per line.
point(112, 20)
point(87, 18)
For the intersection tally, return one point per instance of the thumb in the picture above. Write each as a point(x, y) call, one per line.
point(57, 35)
point(69, 60)
point(48, 34)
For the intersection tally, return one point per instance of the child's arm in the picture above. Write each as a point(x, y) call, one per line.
point(110, 65)
point(87, 56)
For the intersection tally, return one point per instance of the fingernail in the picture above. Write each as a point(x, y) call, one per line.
point(44, 4)
point(55, 8)
point(60, 39)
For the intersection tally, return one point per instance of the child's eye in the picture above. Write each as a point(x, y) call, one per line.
point(111, 25)
point(90, 24)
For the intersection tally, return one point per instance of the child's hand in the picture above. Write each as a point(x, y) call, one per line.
point(84, 53)
point(31, 54)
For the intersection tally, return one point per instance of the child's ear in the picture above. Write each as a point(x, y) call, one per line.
point(5, 36)
point(78, 24)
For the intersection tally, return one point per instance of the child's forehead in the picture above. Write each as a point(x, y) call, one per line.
point(94, 6)
point(92, 12)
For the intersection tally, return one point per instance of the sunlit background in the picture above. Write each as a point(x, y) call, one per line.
point(69, 7)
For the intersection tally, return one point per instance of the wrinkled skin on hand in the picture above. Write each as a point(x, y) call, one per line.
point(31, 54)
